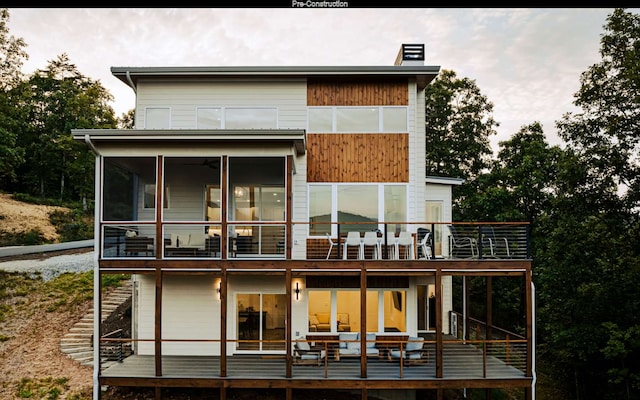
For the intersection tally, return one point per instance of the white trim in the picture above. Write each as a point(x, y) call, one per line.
point(441, 180)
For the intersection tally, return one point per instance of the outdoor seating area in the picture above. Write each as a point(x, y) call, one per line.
point(350, 345)
point(370, 246)
point(475, 242)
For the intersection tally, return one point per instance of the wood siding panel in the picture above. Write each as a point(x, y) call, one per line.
point(338, 157)
point(335, 93)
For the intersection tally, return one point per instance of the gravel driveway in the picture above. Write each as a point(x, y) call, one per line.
point(51, 267)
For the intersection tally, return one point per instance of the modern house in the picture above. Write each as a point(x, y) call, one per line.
point(275, 221)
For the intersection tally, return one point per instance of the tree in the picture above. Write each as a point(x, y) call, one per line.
point(12, 57)
point(458, 126)
point(606, 133)
point(587, 258)
point(127, 120)
point(521, 180)
point(58, 99)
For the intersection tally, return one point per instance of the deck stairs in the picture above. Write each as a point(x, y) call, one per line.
point(77, 343)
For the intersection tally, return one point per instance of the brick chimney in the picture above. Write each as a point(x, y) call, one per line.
point(410, 54)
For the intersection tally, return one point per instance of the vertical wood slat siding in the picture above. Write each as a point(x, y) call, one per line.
point(366, 157)
point(335, 93)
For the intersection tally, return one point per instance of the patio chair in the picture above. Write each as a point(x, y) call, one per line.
point(303, 354)
point(498, 246)
point(332, 244)
point(461, 246)
point(404, 242)
point(414, 351)
point(424, 246)
point(353, 239)
point(371, 240)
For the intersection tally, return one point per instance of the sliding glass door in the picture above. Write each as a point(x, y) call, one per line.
point(261, 321)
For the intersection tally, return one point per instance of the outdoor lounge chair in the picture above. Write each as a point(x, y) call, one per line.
point(303, 354)
point(414, 351)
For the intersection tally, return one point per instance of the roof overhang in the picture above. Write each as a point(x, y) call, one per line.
point(423, 74)
point(93, 137)
point(443, 180)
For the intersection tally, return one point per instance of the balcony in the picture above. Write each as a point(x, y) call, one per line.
point(260, 241)
point(458, 360)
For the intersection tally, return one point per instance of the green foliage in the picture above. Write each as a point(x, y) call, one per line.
point(586, 255)
point(582, 202)
point(37, 152)
point(30, 238)
point(69, 289)
point(520, 183)
point(46, 388)
point(12, 57)
point(72, 226)
point(458, 125)
point(113, 280)
point(605, 133)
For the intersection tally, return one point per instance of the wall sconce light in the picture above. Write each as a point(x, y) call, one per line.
point(297, 291)
point(219, 289)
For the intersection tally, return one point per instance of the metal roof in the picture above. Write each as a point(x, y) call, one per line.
point(422, 73)
point(295, 137)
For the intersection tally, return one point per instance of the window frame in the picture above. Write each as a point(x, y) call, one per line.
point(333, 231)
point(335, 113)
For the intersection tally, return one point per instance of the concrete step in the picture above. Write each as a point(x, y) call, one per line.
point(77, 343)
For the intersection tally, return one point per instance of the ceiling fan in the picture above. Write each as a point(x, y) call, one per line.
point(213, 163)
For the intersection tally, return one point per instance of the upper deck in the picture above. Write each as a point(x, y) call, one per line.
point(269, 246)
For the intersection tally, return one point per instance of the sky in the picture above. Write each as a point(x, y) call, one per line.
point(526, 61)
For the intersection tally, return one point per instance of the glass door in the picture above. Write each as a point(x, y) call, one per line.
point(426, 308)
point(261, 321)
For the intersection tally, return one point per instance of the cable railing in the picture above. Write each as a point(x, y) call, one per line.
point(363, 240)
point(406, 358)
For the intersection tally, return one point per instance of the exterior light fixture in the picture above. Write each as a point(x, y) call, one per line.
point(219, 289)
point(297, 291)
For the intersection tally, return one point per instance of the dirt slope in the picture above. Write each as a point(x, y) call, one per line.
point(16, 216)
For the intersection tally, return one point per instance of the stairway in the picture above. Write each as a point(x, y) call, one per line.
point(77, 343)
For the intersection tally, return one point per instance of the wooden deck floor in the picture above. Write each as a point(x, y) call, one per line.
point(459, 365)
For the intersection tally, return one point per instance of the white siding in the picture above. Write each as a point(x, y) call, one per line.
point(288, 96)
point(415, 195)
point(190, 310)
point(418, 152)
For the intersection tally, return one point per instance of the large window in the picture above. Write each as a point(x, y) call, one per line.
point(338, 310)
point(357, 204)
point(250, 118)
point(236, 118)
point(357, 207)
point(209, 118)
point(128, 192)
point(257, 192)
point(157, 118)
point(357, 119)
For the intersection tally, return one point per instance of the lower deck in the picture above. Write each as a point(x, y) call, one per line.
point(463, 365)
